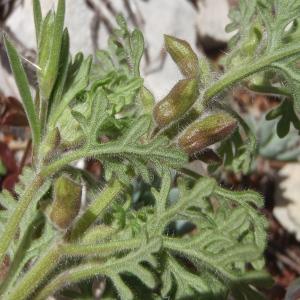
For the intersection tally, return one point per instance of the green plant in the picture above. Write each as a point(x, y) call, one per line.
point(129, 231)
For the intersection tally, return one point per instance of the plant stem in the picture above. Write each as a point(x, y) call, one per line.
point(14, 220)
point(96, 208)
point(36, 274)
point(172, 244)
point(239, 73)
point(76, 274)
point(43, 114)
point(18, 263)
point(89, 270)
point(50, 260)
point(111, 149)
point(100, 249)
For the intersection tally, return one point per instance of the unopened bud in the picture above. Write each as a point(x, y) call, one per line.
point(52, 142)
point(66, 203)
point(180, 99)
point(251, 44)
point(183, 55)
point(206, 132)
point(54, 138)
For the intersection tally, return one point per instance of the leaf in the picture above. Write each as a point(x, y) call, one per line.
point(273, 147)
point(188, 283)
point(50, 48)
point(123, 94)
point(131, 264)
point(281, 77)
point(226, 240)
point(63, 70)
point(117, 70)
point(240, 19)
point(141, 154)
point(20, 252)
point(37, 13)
point(24, 90)
point(137, 44)
point(76, 81)
point(91, 124)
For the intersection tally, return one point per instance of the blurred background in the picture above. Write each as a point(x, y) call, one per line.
point(276, 169)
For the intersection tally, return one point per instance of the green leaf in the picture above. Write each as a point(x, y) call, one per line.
point(278, 20)
point(37, 14)
point(137, 44)
point(91, 124)
point(63, 70)
point(187, 282)
point(9, 203)
point(76, 81)
point(227, 238)
point(50, 47)
point(24, 90)
point(287, 116)
point(273, 147)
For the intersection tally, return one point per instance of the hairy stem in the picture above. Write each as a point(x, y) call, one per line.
point(18, 263)
point(176, 246)
point(97, 207)
point(73, 275)
point(34, 277)
point(14, 220)
point(100, 249)
point(43, 114)
point(50, 260)
point(111, 149)
point(237, 74)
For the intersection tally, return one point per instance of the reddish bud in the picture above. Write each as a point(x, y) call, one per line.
point(183, 55)
point(206, 132)
point(180, 99)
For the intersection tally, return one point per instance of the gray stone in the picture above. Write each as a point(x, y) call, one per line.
point(287, 209)
point(161, 16)
point(212, 20)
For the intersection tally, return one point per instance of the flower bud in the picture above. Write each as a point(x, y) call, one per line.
point(66, 203)
point(52, 142)
point(251, 44)
point(183, 55)
point(180, 99)
point(206, 132)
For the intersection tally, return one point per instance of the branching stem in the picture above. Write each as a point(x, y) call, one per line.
point(50, 260)
point(12, 224)
point(239, 73)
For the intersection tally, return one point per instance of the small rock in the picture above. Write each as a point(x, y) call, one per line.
point(287, 209)
point(212, 20)
point(176, 18)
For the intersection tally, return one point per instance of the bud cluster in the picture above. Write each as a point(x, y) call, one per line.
point(202, 133)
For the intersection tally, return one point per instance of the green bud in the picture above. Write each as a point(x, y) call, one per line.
point(183, 55)
point(180, 99)
point(251, 44)
point(206, 132)
point(53, 140)
point(66, 203)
